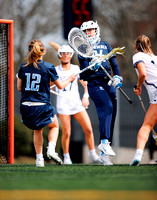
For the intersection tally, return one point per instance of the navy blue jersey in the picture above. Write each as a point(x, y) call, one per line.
point(35, 81)
point(102, 48)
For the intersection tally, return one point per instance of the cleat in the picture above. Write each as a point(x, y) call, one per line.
point(135, 162)
point(54, 156)
point(95, 159)
point(40, 162)
point(67, 161)
point(105, 160)
point(106, 149)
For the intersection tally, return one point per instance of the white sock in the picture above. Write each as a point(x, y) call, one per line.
point(52, 145)
point(66, 156)
point(138, 154)
point(39, 156)
point(92, 153)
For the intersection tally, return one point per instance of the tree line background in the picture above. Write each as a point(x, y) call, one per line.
point(120, 21)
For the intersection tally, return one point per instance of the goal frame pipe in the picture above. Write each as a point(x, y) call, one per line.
point(10, 87)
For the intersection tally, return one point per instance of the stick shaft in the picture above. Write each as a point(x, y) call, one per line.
point(120, 89)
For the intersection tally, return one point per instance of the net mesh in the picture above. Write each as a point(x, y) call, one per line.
point(3, 92)
point(80, 43)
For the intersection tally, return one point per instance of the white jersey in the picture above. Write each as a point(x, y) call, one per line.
point(68, 100)
point(150, 83)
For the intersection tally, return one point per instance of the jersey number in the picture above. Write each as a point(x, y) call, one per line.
point(32, 83)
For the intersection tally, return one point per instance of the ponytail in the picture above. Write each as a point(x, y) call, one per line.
point(36, 50)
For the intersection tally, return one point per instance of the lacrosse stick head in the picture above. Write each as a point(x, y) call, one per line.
point(119, 50)
point(78, 41)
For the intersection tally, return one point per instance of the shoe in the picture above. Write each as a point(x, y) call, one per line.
point(152, 162)
point(106, 149)
point(95, 159)
point(67, 161)
point(54, 156)
point(105, 160)
point(40, 162)
point(135, 162)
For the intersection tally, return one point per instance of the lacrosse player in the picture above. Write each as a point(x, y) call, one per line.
point(145, 63)
point(101, 89)
point(34, 79)
point(66, 108)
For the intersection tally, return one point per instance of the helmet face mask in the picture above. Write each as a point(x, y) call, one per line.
point(90, 25)
point(65, 49)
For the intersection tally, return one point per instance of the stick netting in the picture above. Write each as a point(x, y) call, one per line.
point(3, 92)
point(80, 43)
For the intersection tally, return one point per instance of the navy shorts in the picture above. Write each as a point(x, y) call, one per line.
point(37, 117)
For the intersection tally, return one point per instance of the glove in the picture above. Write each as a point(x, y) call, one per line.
point(97, 64)
point(116, 82)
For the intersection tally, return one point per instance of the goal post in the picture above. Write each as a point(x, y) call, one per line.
point(7, 92)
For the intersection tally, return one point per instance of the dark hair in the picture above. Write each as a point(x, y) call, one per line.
point(36, 50)
point(143, 44)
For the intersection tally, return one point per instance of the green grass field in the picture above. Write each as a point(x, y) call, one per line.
point(92, 181)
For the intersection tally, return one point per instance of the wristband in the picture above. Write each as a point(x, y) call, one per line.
point(86, 95)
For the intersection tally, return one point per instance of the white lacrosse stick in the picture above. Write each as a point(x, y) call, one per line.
point(80, 43)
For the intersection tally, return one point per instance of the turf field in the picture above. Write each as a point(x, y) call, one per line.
point(93, 182)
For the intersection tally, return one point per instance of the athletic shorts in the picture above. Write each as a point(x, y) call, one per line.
point(37, 117)
point(152, 93)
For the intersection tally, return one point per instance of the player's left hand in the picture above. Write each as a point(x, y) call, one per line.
point(97, 64)
point(116, 82)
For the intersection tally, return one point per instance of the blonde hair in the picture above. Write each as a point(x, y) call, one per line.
point(36, 50)
point(143, 44)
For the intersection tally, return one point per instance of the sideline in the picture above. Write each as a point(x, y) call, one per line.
point(76, 195)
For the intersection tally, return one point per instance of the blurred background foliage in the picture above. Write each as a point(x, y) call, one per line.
point(120, 21)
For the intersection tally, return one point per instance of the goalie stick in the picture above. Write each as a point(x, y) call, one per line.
point(79, 42)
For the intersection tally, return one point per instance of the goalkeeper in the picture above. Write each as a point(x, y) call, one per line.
point(101, 89)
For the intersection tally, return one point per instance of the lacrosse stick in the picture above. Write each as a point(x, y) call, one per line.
point(154, 134)
point(80, 43)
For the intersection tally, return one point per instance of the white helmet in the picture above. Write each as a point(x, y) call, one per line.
point(89, 25)
point(65, 49)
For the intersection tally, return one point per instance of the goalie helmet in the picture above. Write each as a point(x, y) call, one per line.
point(89, 25)
point(65, 49)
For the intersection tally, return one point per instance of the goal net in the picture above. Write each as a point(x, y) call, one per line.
point(6, 92)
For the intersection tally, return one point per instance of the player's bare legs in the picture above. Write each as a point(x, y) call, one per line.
point(66, 131)
point(84, 121)
point(148, 124)
point(52, 138)
point(38, 141)
point(143, 134)
point(53, 130)
point(38, 144)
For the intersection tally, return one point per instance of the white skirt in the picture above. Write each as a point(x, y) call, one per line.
point(70, 110)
